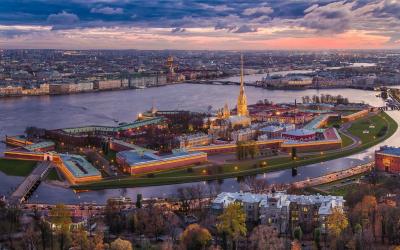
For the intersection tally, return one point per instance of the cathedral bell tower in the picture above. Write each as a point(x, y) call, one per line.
point(242, 100)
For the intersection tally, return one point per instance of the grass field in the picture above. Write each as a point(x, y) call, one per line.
point(346, 141)
point(373, 125)
point(16, 167)
point(53, 176)
point(248, 167)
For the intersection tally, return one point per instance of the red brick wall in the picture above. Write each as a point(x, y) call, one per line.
point(387, 163)
point(171, 165)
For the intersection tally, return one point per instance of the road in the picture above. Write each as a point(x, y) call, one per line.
point(335, 176)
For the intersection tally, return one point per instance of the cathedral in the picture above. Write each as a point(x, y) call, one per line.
point(242, 117)
point(225, 120)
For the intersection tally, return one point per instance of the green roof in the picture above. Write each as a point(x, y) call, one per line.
point(39, 145)
point(94, 128)
point(79, 166)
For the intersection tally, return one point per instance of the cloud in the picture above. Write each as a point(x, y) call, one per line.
point(218, 8)
point(178, 30)
point(311, 8)
point(107, 10)
point(63, 18)
point(220, 20)
point(258, 11)
point(389, 8)
point(224, 26)
point(331, 18)
point(245, 29)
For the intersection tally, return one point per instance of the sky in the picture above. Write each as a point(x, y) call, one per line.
point(200, 24)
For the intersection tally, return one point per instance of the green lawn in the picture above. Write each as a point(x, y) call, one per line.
point(247, 167)
point(346, 141)
point(16, 167)
point(343, 190)
point(373, 125)
point(53, 176)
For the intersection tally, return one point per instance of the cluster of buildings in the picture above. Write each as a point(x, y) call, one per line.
point(344, 75)
point(270, 127)
point(282, 211)
point(281, 127)
point(37, 72)
point(75, 168)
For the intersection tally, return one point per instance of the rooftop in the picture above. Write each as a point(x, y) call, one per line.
point(133, 157)
point(79, 166)
point(281, 199)
point(300, 132)
point(133, 125)
point(389, 151)
point(39, 145)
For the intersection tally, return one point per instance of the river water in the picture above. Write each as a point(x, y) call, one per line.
point(104, 108)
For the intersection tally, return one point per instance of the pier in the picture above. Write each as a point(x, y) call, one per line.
point(31, 182)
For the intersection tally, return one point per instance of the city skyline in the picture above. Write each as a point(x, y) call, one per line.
point(203, 25)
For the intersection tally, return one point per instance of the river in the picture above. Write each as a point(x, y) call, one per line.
point(105, 107)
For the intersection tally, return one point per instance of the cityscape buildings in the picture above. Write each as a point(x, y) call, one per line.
point(199, 125)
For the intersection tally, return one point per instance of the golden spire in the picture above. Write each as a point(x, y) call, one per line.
point(226, 112)
point(242, 100)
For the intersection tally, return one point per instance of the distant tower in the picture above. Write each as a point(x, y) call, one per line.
point(153, 108)
point(242, 100)
point(170, 64)
point(226, 112)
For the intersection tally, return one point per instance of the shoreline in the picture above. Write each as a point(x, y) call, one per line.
point(197, 82)
point(144, 182)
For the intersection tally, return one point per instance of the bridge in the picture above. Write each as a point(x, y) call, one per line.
point(343, 174)
point(31, 182)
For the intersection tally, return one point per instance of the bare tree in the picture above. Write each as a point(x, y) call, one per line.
point(254, 185)
point(264, 237)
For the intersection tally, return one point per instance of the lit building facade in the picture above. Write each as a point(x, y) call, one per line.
point(133, 162)
point(388, 159)
point(282, 211)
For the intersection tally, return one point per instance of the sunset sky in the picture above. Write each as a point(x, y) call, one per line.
point(189, 24)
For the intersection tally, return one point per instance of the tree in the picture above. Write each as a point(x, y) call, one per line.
point(295, 245)
point(298, 233)
point(80, 240)
point(337, 222)
point(96, 243)
point(256, 185)
point(60, 216)
point(317, 238)
point(232, 222)
point(113, 217)
point(138, 200)
point(265, 237)
point(150, 221)
point(120, 244)
point(195, 237)
point(294, 153)
point(365, 211)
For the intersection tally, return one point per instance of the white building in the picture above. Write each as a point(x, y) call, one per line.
point(281, 210)
point(243, 135)
point(193, 140)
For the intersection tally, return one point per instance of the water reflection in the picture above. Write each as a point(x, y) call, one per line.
point(107, 107)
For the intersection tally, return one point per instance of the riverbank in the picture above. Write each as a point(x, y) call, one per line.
point(252, 168)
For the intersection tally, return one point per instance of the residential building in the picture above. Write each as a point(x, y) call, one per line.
point(282, 211)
